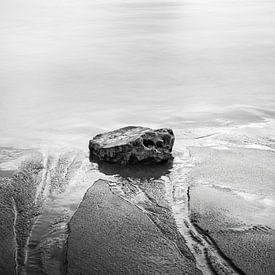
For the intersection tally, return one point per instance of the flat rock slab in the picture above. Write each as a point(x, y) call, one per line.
point(133, 144)
point(109, 235)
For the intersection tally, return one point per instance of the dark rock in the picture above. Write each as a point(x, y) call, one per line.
point(132, 144)
point(109, 235)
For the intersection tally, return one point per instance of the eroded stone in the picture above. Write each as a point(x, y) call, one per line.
point(133, 144)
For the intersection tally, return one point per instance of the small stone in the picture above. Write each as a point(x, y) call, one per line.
point(133, 144)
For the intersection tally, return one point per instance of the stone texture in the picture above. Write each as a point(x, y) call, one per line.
point(133, 144)
point(109, 235)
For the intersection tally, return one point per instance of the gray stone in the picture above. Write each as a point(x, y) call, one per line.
point(109, 235)
point(133, 144)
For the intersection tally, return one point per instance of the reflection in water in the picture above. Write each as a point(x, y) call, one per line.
point(135, 171)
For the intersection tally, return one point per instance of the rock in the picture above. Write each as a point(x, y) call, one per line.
point(133, 144)
point(109, 235)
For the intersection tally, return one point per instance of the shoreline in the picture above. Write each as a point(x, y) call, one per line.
point(241, 224)
point(158, 198)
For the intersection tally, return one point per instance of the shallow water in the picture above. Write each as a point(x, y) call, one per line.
point(71, 69)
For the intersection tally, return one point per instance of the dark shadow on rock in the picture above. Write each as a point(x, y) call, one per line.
point(142, 170)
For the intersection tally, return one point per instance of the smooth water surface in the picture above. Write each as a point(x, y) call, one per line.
point(69, 69)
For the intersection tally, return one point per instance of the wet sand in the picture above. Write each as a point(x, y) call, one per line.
point(7, 244)
point(210, 208)
point(17, 190)
point(109, 235)
point(19, 208)
point(22, 201)
point(240, 223)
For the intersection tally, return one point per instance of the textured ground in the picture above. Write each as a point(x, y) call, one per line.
point(232, 201)
point(109, 235)
point(7, 245)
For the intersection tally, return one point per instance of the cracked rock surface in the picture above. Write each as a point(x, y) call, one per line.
point(133, 144)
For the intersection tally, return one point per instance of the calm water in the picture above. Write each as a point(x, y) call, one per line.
point(69, 69)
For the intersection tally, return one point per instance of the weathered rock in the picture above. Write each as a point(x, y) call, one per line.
point(109, 235)
point(132, 144)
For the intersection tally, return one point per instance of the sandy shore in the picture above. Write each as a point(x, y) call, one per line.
point(7, 244)
point(161, 219)
point(18, 209)
point(232, 203)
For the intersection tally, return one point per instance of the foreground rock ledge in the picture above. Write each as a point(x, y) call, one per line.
point(109, 235)
point(133, 144)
